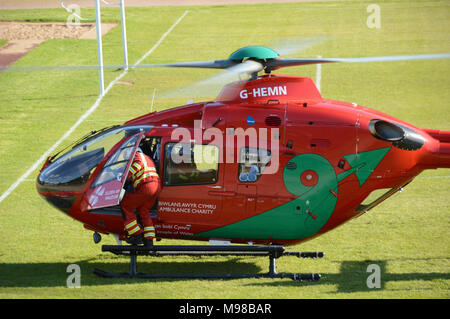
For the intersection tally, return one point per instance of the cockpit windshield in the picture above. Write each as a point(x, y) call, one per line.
point(71, 171)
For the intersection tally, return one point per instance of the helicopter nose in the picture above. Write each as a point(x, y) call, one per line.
point(54, 193)
point(64, 178)
point(60, 182)
point(63, 201)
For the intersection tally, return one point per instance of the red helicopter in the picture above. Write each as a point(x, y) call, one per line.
point(268, 162)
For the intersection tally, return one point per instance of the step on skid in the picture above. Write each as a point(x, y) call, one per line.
point(272, 251)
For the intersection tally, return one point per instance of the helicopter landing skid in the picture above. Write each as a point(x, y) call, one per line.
point(271, 251)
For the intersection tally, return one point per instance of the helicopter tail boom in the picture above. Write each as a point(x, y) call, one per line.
point(444, 155)
point(443, 150)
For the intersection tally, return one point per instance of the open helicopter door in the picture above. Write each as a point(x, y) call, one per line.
point(106, 189)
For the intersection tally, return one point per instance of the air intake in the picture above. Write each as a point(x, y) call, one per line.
point(386, 131)
point(273, 121)
point(400, 136)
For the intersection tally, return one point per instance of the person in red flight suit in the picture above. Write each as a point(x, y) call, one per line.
point(146, 188)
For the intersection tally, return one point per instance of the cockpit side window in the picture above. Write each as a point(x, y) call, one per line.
point(116, 165)
point(186, 164)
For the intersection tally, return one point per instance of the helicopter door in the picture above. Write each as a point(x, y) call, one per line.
point(106, 189)
point(190, 183)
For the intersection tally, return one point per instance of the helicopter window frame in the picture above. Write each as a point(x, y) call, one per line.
point(251, 166)
point(152, 147)
point(166, 180)
point(117, 173)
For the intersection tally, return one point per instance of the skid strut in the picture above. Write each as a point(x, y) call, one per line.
point(271, 251)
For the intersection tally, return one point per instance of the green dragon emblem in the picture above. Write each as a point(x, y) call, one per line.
point(312, 178)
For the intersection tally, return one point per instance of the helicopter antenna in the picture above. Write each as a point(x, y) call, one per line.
point(318, 74)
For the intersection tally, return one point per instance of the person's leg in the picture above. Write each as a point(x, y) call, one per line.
point(152, 190)
point(129, 203)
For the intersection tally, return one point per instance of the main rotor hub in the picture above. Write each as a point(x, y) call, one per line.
point(253, 52)
point(260, 54)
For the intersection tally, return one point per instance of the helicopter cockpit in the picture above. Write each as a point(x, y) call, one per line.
point(70, 171)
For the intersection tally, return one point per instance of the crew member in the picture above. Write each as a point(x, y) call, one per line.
point(146, 187)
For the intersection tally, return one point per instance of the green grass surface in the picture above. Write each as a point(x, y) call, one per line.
point(407, 236)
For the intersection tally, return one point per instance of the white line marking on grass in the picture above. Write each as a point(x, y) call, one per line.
point(162, 38)
point(85, 115)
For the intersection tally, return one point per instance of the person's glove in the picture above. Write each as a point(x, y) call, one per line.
point(129, 188)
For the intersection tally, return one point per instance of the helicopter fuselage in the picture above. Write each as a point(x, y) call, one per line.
point(269, 161)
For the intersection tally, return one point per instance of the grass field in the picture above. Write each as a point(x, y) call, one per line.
point(407, 236)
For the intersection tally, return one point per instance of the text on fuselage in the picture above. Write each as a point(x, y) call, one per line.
point(263, 91)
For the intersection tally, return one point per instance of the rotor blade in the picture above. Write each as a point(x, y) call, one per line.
point(284, 62)
point(53, 68)
point(218, 64)
point(211, 86)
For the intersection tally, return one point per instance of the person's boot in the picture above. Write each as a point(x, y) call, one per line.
point(135, 240)
point(148, 243)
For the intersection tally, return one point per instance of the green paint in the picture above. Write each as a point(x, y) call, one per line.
point(307, 214)
point(363, 164)
point(258, 52)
